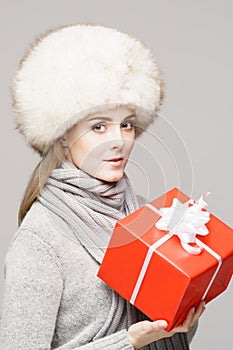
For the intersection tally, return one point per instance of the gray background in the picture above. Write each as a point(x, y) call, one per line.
point(192, 42)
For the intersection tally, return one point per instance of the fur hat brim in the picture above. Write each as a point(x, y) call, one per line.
point(73, 71)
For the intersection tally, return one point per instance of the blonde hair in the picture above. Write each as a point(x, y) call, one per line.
point(51, 159)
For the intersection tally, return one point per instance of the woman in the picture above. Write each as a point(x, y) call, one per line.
point(83, 94)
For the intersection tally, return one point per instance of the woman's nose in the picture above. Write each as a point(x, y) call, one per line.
point(117, 137)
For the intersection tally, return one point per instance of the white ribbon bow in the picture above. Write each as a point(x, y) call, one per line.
point(186, 221)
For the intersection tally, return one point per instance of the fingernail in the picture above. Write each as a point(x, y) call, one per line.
point(162, 324)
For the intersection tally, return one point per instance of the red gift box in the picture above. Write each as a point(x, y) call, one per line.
point(150, 268)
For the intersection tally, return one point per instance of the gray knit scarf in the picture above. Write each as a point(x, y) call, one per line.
point(91, 208)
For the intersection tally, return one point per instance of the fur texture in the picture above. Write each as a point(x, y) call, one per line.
point(72, 71)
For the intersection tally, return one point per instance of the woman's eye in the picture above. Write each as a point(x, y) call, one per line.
point(99, 128)
point(128, 125)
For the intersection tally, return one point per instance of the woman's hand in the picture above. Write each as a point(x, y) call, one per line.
point(146, 332)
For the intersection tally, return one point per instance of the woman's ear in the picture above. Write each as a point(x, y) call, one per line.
point(63, 141)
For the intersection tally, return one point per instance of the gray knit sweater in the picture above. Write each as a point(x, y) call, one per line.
point(52, 296)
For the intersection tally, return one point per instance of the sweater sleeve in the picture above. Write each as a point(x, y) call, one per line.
point(31, 297)
point(191, 333)
point(115, 341)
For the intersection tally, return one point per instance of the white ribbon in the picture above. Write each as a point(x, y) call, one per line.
point(185, 221)
point(148, 257)
point(176, 220)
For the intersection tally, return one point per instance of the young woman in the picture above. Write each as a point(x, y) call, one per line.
point(83, 94)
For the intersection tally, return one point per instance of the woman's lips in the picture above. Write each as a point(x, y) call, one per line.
point(115, 161)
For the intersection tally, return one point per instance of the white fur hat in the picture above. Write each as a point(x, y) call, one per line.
point(74, 70)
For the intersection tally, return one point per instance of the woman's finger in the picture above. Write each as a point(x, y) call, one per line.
point(191, 318)
point(198, 312)
point(184, 327)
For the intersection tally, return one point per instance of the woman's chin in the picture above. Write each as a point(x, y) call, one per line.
point(110, 176)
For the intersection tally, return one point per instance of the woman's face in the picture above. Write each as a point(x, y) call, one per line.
point(100, 144)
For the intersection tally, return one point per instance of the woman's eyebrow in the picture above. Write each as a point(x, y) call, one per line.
point(129, 116)
point(108, 118)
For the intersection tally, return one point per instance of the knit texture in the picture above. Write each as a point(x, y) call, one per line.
point(89, 206)
point(53, 298)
